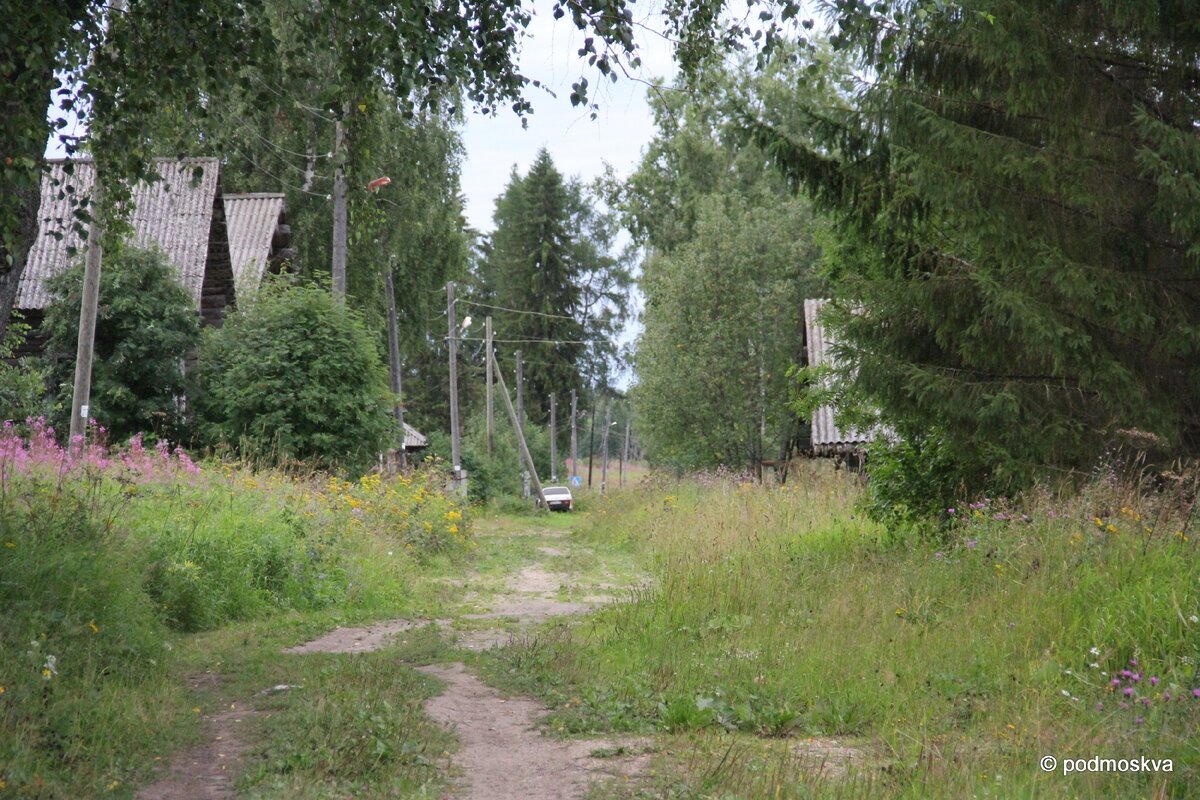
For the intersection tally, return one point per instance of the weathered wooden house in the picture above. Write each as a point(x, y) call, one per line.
point(182, 214)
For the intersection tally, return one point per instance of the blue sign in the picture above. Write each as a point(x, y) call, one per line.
point(576, 481)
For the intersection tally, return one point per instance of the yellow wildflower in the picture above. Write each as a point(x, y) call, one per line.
point(95, 628)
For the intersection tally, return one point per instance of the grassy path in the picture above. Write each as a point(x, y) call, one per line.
point(314, 706)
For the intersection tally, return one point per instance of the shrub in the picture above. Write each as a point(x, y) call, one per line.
point(22, 381)
point(295, 375)
point(146, 327)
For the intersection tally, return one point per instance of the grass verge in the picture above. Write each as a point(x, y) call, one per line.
point(1066, 628)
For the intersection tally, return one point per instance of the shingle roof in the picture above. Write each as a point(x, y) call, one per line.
point(173, 214)
point(825, 432)
point(252, 220)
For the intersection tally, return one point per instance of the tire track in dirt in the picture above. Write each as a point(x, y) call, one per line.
point(504, 757)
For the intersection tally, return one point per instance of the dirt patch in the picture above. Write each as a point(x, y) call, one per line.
point(357, 640)
point(533, 610)
point(827, 757)
point(536, 580)
point(552, 551)
point(503, 756)
point(207, 771)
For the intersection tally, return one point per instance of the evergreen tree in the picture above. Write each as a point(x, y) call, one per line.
point(1016, 216)
point(533, 269)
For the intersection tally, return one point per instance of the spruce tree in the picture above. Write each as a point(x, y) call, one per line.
point(1017, 226)
point(532, 267)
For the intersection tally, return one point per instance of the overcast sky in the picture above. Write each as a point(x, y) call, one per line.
point(579, 145)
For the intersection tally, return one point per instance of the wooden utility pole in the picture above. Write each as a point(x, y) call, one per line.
point(487, 335)
point(512, 415)
point(592, 439)
point(553, 443)
point(574, 439)
point(85, 344)
point(394, 365)
point(339, 207)
point(604, 446)
point(520, 391)
point(452, 340)
point(625, 454)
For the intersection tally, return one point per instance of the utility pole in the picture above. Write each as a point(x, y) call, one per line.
point(574, 439)
point(553, 443)
point(85, 345)
point(592, 439)
point(604, 446)
point(394, 365)
point(520, 391)
point(452, 325)
point(339, 206)
point(625, 454)
point(512, 415)
point(487, 335)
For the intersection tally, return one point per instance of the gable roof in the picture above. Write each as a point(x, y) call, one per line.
point(174, 214)
point(253, 221)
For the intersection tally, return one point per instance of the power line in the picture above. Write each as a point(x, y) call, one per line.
point(515, 311)
point(534, 341)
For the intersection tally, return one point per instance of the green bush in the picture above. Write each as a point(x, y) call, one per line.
point(294, 375)
point(500, 476)
point(22, 381)
point(914, 481)
point(146, 327)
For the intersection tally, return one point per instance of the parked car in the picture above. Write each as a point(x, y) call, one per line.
point(558, 498)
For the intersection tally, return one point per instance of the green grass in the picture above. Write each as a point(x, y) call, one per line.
point(953, 664)
point(102, 578)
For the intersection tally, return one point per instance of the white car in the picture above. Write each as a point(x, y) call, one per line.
point(558, 498)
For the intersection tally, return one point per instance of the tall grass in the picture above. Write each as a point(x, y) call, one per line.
point(106, 555)
point(783, 612)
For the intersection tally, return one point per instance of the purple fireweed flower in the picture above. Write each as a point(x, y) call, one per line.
point(1153, 681)
point(1195, 692)
point(1145, 701)
point(971, 544)
point(1129, 691)
point(949, 510)
point(1133, 662)
point(1166, 696)
point(1115, 682)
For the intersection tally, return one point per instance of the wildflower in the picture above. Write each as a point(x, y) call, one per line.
point(1099, 522)
point(1099, 706)
point(11, 545)
point(939, 555)
point(1115, 682)
point(1193, 619)
point(1129, 691)
point(971, 543)
point(95, 628)
point(1167, 696)
point(1094, 665)
point(50, 668)
point(1095, 651)
point(1138, 721)
point(1145, 701)
point(1153, 681)
point(950, 511)
point(1195, 692)
point(1065, 693)
point(1110, 528)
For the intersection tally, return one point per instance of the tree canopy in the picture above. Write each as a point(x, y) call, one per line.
point(1016, 227)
